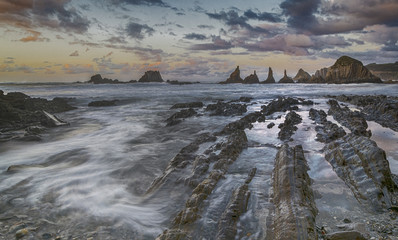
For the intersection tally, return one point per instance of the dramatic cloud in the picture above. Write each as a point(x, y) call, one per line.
point(138, 31)
point(300, 12)
point(263, 16)
point(217, 44)
point(53, 14)
point(195, 36)
point(203, 26)
point(141, 2)
point(74, 54)
point(233, 20)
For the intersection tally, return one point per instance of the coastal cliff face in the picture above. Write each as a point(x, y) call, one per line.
point(302, 76)
point(270, 78)
point(387, 71)
point(151, 76)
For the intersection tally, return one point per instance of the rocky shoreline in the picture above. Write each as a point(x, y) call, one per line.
point(201, 166)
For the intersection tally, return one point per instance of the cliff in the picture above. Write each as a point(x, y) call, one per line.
point(234, 77)
point(302, 76)
point(151, 76)
point(252, 78)
point(386, 71)
point(270, 78)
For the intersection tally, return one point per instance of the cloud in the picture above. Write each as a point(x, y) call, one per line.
point(16, 68)
point(34, 37)
point(141, 2)
point(138, 31)
point(233, 20)
point(74, 54)
point(115, 40)
point(77, 68)
point(9, 60)
point(53, 14)
point(263, 16)
point(195, 36)
point(217, 44)
point(203, 26)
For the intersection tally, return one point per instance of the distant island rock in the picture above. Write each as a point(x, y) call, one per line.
point(345, 70)
point(151, 76)
point(270, 78)
point(302, 76)
point(286, 79)
point(234, 77)
point(386, 71)
point(252, 78)
point(97, 79)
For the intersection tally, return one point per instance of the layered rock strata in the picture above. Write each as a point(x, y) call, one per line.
point(288, 127)
point(326, 130)
point(302, 76)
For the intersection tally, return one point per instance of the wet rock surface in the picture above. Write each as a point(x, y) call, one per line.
point(283, 104)
point(326, 130)
point(177, 117)
point(18, 111)
point(226, 109)
point(353, 120)
point(363, 166)
point(293, 199)
point(188, 105)
point(288, 126)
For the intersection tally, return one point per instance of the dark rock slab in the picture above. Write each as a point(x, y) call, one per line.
point(294, 209)
point(102, 103)
point(188, 105)
point(288, 127)
point(178, 116)
point(283, 104)
point(326, 130)
point(363, 166)
point(226, 109)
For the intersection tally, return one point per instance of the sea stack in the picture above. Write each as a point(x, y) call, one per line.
point(302, 76)
point(235, 77)
point(252, 78)
point(349, 70)
point(270, 78)
point(151, 76)
point(286, 79)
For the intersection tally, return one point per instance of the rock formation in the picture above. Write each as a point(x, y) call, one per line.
point(286, 79)
point(252, 78)
point(387, 71)
point(234, 77)
point(270, 78)
point(188, 105)
point(294, 208)
point(151, 76)
point(226, 109)
point(178, 116)
point(363, 166)
point(326, 130)
point(288, 127)
point(345, 70)
point(302, 76)
point(97, 79)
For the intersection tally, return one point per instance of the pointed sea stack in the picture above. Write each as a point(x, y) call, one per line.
point(286, 79)
point(252, 78)
point(151, 76)
point(349, 70)
point(270, 78)
point(234, 77)
point(302, 76)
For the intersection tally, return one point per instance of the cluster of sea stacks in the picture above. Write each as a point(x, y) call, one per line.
point(345, 70)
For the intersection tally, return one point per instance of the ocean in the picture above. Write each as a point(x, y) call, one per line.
point(89, 179)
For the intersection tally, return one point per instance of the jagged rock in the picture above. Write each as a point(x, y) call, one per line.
point(236, 207)
point(270, 78)
point(302, 76)
point(244, 99)
point(283, 104)
point(363, 166)
point(252, 78)
point(327, 131)
point(386, 71)
point(226, 109)
point(234, 77)
point(321, 73)
point(151, 76)
point(347, 70)
point(294, 208)
point(288, 126)
point(344, 235)
point(102, 103)
point(382, 109)
point(353, 120)
point(286, 79)
point(188, 105)
point(97, 79)
point(243, 123)
point(271, 125)
point(176, 117)
point(176, 82)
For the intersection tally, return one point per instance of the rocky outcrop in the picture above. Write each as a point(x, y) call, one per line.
point(151, 76)
point(102, 103)
point(227, 226)
point(226, 109)
point(321, 73)
point(294, 210)
point(97, 79)
point(286, 79)
point(18, 111)
point(252, 78)
point(386, 71)
point(353, 120)
point(302, 76)
point(188, 105)
point(363, 166)
point(326, 130)
point(270, 78)
point(283, 104)
point(288, 127)
point(381, 109)
point(234, 77)
point(178, 116)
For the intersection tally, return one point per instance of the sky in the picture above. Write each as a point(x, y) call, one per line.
point(187, 40)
